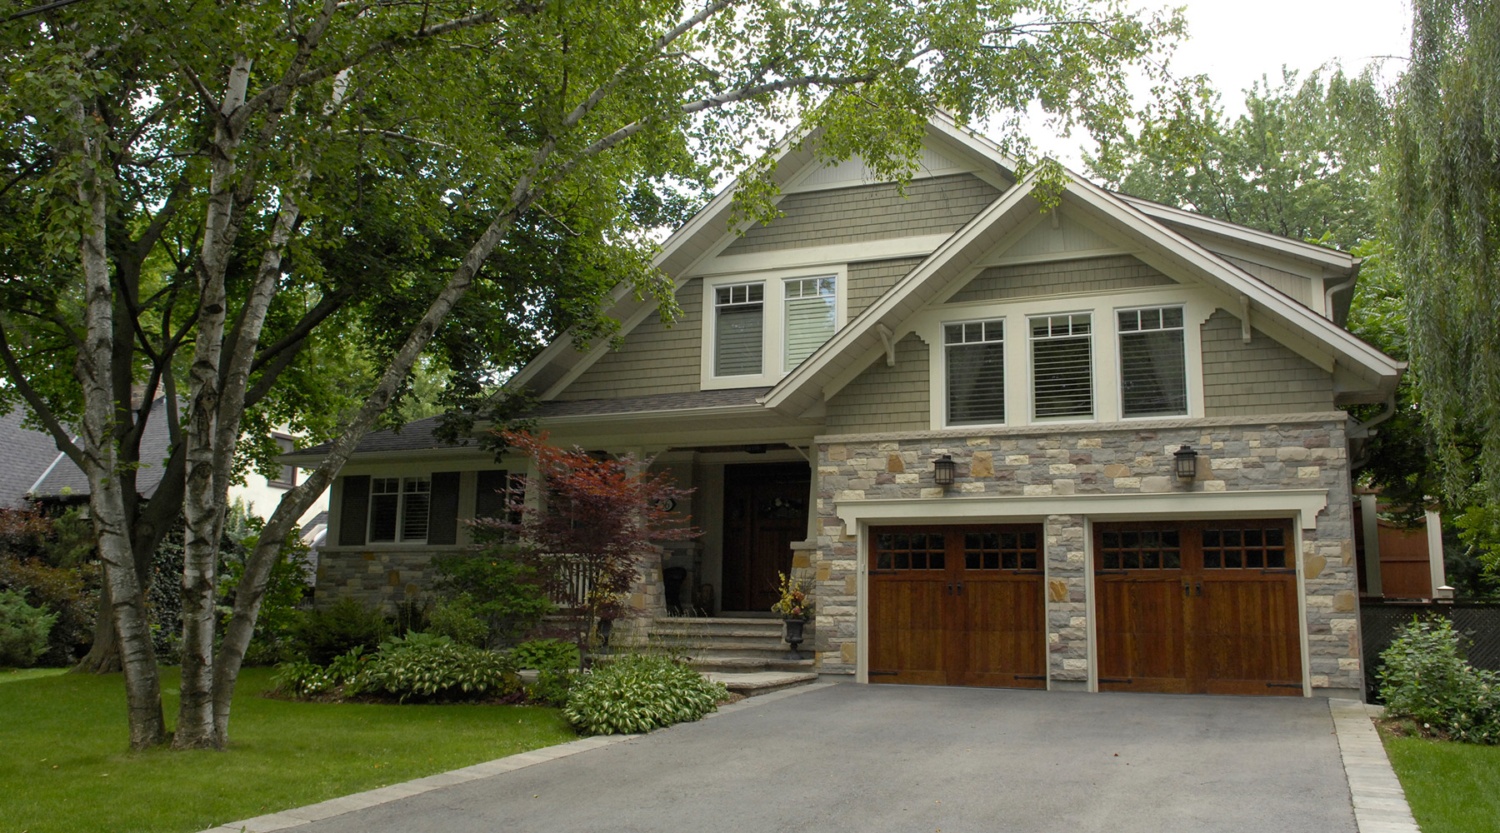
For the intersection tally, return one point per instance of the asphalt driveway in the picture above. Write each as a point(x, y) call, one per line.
point(896, 758)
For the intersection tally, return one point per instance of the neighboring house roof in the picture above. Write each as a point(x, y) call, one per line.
point(27, 456)
point(66, 479)
point(419, 435)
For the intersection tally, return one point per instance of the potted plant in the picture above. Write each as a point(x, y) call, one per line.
point(795, 607)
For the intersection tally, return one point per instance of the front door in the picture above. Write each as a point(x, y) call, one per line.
point(1202, 607)
point(765, 510)
point(957, 605)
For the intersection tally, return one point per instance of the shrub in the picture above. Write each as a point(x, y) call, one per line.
point(638, 693)
point(458, 619)
point(300, 678)
point(277, 624)
point(506, 593)
point(435, 669)
point(553, 686)
point(546, 655)
point(1426, 679)
point(328, 632)
point(23, 630)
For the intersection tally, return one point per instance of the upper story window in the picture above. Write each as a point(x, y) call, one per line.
point(974, 353)
point(757, 331)
point(1153, 368)
point(739, 324)
point(810, 317)
point(1062, 366)
point(399, 508)
point(287, 477)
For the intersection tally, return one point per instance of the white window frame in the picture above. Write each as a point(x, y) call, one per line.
point(942, 367)
point(1120, 358)
point(773, 337)
point(1031, 342)
point(1197, 305)
point(401, 493)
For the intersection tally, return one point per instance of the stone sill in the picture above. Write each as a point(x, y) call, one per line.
point(1320, 418)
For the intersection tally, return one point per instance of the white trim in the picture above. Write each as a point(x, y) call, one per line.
point(1369, 521)
point(1302, 640)
point(773, 332)
point(821, 257)
point(1435, 563)
point(1175, 505)
point(1329, 258)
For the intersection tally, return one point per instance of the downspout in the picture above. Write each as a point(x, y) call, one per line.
point(1365, 430)
point(1340, 287)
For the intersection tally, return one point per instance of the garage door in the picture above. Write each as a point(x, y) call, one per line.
point(1206, 607)
point(957, 605)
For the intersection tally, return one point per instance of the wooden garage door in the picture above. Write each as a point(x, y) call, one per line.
point(957, 605)
point(1206, 607)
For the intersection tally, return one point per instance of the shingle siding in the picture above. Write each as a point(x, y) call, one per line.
point(1101, 274)
point(653, 359)
point(885, 398)
point(1262, 377)
point(869, 212)
point(868, 281)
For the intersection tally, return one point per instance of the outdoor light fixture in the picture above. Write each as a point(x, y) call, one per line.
point(943, 469)
point(1187, 462)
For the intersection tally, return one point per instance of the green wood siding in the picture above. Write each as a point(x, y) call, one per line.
point(885, 398)
point(1101, 274)
point(653, 359)
point(1262, 377)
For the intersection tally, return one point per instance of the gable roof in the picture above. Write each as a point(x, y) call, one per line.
point(700, 235)
point(803, 388)
point(64, 479)
point(28, 455)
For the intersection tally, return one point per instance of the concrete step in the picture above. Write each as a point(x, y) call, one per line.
point(744, 664)
point(764, 682)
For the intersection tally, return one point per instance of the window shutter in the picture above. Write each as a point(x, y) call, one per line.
point(354, 513)
point(976, 372)
point(490, 498)
point(443, 524)
point(1062, 366)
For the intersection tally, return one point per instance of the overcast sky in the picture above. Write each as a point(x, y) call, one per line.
point(1235, 43)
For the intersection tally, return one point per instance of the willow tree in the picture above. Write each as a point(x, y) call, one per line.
point(1443, 175)
point(257, 131)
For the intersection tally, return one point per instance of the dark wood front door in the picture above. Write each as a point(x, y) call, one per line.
point(1202, 607)
point(765, 510)
point(957, 605)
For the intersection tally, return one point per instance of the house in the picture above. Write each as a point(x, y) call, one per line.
point(1099, 447)
point(36, 472)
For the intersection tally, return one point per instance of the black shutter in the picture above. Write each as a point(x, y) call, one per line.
point(354, 516)
point(442, 518)
point(490, 497)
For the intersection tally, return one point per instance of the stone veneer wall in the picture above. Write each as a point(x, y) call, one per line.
point(1301, 452)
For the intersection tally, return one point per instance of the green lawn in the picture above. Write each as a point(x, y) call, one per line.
point(1451, 787)
point(64, 764)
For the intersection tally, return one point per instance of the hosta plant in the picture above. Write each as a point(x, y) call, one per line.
point(638, 693)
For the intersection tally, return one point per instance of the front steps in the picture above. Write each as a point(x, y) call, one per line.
point(742, 653)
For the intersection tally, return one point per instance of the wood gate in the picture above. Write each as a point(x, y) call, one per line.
point(957, 605)
point(1203, 607)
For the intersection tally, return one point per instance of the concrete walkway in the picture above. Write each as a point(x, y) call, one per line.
point(875, 758)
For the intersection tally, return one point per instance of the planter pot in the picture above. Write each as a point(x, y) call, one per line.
point(792, 635)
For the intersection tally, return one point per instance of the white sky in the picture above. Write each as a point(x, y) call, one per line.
point(1236, 42)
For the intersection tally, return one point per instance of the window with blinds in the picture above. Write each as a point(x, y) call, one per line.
point(975, 358)
point(739, 311)
point(1062, 372)
point(1153, 367)
point(809, 317)
point(399, 508)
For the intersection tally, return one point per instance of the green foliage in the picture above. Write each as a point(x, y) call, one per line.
point(1425, 678)
point(458, 619)
point(502, 590)
point(300, 678)
point(431, 668)
point(1443, 220)
point(46, 560)
point(279, 622)
point(346, 624)
point(23, 630)
point(638, 693)
point(546, 654)
point(553, 686)
point(1479, 532)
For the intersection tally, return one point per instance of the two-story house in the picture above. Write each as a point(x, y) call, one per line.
point(1097, 447)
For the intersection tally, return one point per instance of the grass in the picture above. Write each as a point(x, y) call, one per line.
point(1450, 786)
point(64, 764)
point(10, 675)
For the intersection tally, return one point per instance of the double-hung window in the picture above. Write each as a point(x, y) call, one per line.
point(810, 308)
point(1153, 373)
point(399, 508)
point(1062, 366)
point(974, 353)
point(739, 323)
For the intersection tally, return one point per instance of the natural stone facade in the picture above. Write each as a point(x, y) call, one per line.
point(1302, 452)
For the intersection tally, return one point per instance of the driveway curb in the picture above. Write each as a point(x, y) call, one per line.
point(1379, 802)
point(298, 816)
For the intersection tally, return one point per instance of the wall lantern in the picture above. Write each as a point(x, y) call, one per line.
point(1187, 462)
point(943, 469)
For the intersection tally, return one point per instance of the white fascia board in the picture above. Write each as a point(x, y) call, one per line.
point(1305, 503)
point(1195, 256)
point(895, 304)
point(1328, 258)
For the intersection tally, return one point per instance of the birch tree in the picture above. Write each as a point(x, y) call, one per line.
point(220, 151)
